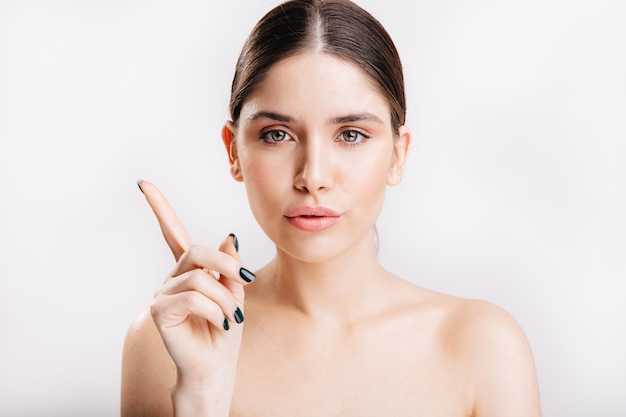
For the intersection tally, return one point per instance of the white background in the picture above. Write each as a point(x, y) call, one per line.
point(514, 193)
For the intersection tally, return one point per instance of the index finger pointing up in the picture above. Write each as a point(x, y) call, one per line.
point(173, 230)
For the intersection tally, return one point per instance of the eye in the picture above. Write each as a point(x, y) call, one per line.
point(275, 136)
point(352, 137)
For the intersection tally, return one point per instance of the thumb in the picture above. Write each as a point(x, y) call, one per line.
point(230, 245)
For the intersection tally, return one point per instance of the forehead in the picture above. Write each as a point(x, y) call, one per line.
point(317, 84)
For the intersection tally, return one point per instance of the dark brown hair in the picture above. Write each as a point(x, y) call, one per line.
point(337, 27)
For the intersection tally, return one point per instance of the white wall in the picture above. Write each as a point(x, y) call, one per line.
point(515, 190)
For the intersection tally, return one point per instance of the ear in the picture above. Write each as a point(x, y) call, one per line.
point(400, 152)
point(228, 137)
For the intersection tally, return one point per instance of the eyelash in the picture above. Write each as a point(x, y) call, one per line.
point(265, 136)
point(361, 139)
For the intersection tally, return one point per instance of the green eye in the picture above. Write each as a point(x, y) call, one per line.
point(351, 136)
point(275, 136)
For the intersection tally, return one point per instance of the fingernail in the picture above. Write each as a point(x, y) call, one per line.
point(238, 316)
point(246, 275)
point(139, 181)
point(235, 241)
point(226, 324)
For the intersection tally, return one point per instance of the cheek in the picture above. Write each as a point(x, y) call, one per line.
point(370, 173)
point(259, 171)
point(366, 183)
point(263, 181)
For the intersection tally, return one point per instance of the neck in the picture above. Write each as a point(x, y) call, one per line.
point(341, 288)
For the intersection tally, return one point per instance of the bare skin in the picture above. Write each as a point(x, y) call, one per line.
point(418, 353)
point(328, 331)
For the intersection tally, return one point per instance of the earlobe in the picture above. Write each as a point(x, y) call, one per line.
point(401, 148)
point(228, 137)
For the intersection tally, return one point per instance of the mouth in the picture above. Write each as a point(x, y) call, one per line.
point(308, 211)
point(313, 219)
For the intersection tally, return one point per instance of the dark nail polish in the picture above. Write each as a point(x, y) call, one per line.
point(246, 275)
point(235, 241)
point(226, 324)
point(139, 181)
point(238, 316)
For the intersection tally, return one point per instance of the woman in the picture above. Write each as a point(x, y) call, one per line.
point(317, 134)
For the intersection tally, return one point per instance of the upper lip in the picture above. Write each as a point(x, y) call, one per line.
point(319, 211)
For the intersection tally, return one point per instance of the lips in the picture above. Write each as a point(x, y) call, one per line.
point(313, 219)
point(309, 211)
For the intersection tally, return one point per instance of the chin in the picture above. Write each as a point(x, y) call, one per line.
point(323, 247)
point(312, 251)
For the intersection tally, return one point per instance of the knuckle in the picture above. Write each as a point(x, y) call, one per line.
point(191, 299)
point(194, 278)
point(159, 292)
point(155, 310)
point(193, 251)
point(167, 278)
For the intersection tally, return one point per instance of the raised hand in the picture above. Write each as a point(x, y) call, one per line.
point(198, 312)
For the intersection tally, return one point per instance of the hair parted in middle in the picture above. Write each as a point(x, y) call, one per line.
point(336, 27)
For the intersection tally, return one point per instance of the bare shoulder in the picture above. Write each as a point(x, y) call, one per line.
point(492, 347)
point(470, 328)
point(148, 372)
point(482, 325)
point(485, 346)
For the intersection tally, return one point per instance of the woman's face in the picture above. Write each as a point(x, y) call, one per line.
point(315, 148)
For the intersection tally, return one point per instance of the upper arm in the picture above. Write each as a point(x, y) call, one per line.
point(501, 364)
point(148, 372)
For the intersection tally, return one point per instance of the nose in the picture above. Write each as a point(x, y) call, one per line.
point(314, 171)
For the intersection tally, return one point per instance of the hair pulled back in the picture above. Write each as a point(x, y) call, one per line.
point(337, 27)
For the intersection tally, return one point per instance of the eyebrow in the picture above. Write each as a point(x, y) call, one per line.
point(357, 117)
point(350, 118)
point(273, 116)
